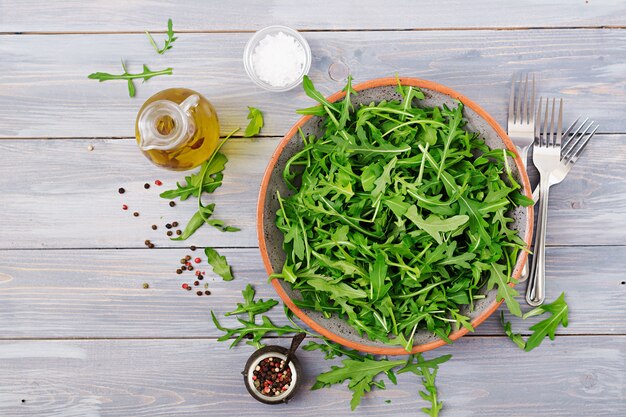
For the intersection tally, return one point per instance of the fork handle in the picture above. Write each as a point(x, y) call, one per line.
point(536, 289)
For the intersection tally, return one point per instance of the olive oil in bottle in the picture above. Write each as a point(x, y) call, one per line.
point(177, 129)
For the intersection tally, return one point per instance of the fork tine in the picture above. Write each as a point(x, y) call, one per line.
point(531, 114)
point(538, 123)
point(575, 137)
point(524, 117)
point(512, 100)
point(550, 138)
point(581, 148)
point(559, 124)
point(566, 138)
point(518, 101)
point(580, 141)
point(545, 121)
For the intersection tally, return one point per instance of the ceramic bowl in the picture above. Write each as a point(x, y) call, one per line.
point(271, 239)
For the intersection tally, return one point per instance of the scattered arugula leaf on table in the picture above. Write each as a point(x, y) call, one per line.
point(207, 180)
point(417, 365)
point(219, 264)
point(146, 74)
point(250, 306)
point(256, 122)
point(558, 310)
point(168, 42)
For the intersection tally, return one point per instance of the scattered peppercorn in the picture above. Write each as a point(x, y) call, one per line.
point(172, 204)
point(197, 260)
point(196, 283)
point(168, 226)
point(169, 233)
point(184, 268)
point(199, 293)
point(189, 288)
point(146, 285)
point(187, 257)
point(174, 224)
point(158, 182)
point(179, 271)
point(151, 245)
point(189, 268)
point(182, 261)
point(146, 186)
point(121, 190)
point(147, 242)
point(207, 292)
point(192, 247)
point(200, 277)
point(136, 214)
point(185, 286)
point(179, 232)
point(124, 207)
point(154, 227)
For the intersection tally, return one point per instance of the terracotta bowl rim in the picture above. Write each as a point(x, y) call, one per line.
point(384, 82)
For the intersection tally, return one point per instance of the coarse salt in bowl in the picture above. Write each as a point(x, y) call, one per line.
point(276, 58)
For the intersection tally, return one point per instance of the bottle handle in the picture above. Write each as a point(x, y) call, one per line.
point(189, 103)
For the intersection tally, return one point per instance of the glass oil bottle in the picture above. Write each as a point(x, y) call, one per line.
point(177, 129)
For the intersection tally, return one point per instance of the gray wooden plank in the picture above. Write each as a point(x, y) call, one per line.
point(571, 377)
point(57, 194)
point(99, 293)
point(44, 96)
point(69, 16)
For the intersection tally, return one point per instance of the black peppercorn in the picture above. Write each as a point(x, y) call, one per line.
point(184, 268)
point(151, 245)
point(168, 226)
point(121, 191)
point(190, 268)
point(196, 283)
point(187, 257)
point(169, 233)
point(147, 242)
point(178, 232)
point(172, 204)
point(192, 247)
point(207, 292)
point(146, 186)
point(199, 293)
point(179, 271)
point(136, 214)
point(174, 224)
point(183, 261)
point(154, 227)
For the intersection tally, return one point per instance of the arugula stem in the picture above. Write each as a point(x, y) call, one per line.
point(204, 171)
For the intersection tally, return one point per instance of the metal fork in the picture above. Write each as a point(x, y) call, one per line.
point(521, 124)
point(553, 166)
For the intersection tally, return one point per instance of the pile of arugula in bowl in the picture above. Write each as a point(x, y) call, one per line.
point(398, 217)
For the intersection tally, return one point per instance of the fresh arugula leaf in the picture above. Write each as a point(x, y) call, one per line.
point(417, 365)
point(558, 310)
point(196, 221)
point(168, 42)
point(256, 122)
point(146, 74)
point(507, 293)
point(219, 264)
point(212, 180)
point(206, 180)
point(361, 374)
point(250, 306)
point(515, 337)
point(251, 329)
point(310, 91)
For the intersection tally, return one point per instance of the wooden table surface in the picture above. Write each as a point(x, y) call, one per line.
point(79, 336)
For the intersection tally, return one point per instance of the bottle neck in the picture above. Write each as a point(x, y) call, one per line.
point(164, 125)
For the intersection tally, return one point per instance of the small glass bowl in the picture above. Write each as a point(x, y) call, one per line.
point(254, 41)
